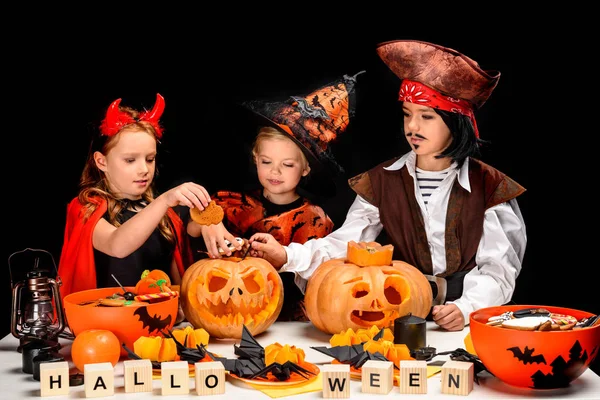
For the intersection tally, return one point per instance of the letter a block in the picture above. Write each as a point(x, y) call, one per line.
point(99, 379)
point(210, 378)
point(457, 377)
point(54, 378)
point(413, 377)
point(138, 376)
point(336, 381)
point(377, 377)
point(175, 377)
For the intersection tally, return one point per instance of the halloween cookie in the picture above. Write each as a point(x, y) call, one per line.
point(525, 323)
point(212, 214)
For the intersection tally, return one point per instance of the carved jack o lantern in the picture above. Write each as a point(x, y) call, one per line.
point(223, 295)
point(367, 288)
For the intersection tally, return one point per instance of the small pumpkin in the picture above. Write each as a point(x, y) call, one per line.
point(343, 294)
point(222, 295)
point(155, 281)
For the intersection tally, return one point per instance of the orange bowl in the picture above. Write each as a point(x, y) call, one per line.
point(534, 359)
point(127, 323)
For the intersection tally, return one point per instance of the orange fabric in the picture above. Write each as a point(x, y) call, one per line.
point(77, 268)
point(245, 215)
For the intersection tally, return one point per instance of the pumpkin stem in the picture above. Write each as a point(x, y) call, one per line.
point(145, 273)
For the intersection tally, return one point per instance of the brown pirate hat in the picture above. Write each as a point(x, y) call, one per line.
point(441, 68)
point(312, 122)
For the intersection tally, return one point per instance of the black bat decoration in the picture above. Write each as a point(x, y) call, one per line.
point(251, 364)
point(188, 354)
point(155, 323)
point(527, 356)
point(282, 371)
point(358, 360)
point(463, 355)
point(345, 354)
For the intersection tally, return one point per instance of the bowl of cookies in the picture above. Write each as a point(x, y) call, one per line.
point(127, 317)
point(536, 347)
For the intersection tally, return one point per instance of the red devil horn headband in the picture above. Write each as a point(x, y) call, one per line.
point(115, 119)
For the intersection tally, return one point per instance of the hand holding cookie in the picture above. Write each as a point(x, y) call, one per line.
point(211, 215)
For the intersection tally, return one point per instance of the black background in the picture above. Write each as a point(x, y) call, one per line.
point(60, 85)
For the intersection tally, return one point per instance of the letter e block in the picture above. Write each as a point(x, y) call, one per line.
point(99, 379)
point(54, 378)
point(210, 378)
point(175, 377)
point(138, 376)
point(336, 381)
point(457, 377)
point(377, 376)
point(413, 377)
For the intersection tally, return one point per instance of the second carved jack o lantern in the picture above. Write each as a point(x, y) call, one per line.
point(223, 295)
point(364, 289)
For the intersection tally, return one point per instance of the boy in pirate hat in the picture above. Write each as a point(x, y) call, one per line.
point(446, 212)
point(290, 151)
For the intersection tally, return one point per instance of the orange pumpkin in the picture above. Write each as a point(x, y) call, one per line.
point(223, 295)
point(342, 294)
point(154, 281)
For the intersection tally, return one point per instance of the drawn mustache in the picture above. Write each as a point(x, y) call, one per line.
point(409, 134)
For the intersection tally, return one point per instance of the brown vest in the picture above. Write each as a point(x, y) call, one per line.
point(393, 193)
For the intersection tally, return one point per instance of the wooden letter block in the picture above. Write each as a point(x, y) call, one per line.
point(54, 378)
point(210, 378)
point(336, 381)
point(138, 376)
point(413, 377)
point(457, 377)
point(99, 379)
point(377, 377)
point(175, 377)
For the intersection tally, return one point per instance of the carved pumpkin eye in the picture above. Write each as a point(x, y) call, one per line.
point(392, 290)
point(360, 290)
point(216, 283)
point(254, 282)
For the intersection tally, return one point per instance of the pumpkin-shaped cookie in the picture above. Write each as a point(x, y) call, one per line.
point(223, 295)
point(342, 293)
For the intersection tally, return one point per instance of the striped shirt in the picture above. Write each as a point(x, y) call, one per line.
point(428, 181)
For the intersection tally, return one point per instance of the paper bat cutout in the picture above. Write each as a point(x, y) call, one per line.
point(189, 354)
point(251, 364)
point(354, 354)
point(461, 354)
point(154, 323)
point(526, 356)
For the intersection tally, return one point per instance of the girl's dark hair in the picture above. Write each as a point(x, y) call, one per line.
point(464, 141)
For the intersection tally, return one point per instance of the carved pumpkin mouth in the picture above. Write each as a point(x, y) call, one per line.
point(248, 313)
point(369, 318)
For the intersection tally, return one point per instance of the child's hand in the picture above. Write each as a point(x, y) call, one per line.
point(214, 237)
point(187, 194)
point(267, 247)
point(449, 317)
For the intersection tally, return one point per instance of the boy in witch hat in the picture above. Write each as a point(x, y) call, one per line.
point(447, 213)
point(293, 159)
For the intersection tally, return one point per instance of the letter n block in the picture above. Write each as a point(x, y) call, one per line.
point(457, 377)
point(54, 378)
point(138, 376)
point(336, 381)
point(210, 378)
point(99, 379)
point(413, 377)
point(175, 377)
point(377, 377)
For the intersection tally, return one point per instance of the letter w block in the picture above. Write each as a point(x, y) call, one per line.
point(336, 381)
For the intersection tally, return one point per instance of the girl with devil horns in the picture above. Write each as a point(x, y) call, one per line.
point(447, 213)
point(115, 226)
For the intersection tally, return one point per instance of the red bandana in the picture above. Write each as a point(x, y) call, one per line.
point(417, 93)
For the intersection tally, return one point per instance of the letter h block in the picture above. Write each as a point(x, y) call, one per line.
point(336, 381)
point(138, 376)
point(210, 378)
point(457, 377)
point(175, 377)
point(413, 377)
point(377, 377)
point(54, 378)
point(99, 379)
